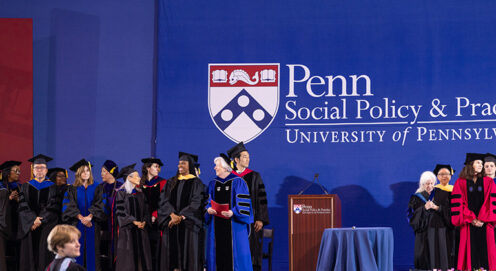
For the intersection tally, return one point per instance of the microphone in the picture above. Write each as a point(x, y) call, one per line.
point(315, 180)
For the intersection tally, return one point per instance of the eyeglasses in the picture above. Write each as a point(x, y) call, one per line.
point(443, 174)
point(39, 168)
point(16, 171)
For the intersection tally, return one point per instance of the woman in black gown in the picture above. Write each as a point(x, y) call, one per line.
point(9, 198)
point(428, 213)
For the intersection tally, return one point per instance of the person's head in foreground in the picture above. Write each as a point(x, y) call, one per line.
point(63, 240)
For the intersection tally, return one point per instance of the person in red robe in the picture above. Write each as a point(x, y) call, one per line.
point(473, 210)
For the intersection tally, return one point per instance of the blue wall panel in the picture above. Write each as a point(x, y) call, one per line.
point(93, 78)
point(415, 53)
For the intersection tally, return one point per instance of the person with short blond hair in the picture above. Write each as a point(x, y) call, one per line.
point(63, 241)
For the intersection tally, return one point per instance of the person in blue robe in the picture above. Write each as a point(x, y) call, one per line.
point(228, 246)
point(37, 217)
point(83, 208)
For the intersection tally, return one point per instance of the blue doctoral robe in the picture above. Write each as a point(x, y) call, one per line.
point(228, 247)
point(81, 200)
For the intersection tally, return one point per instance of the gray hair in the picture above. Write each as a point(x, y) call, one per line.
point(223, 163)
point(426, 176)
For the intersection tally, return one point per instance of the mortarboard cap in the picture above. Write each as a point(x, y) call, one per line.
point(191, 158)
point(126, 171)
point(473, 156)
point(183, 156)
point(152, 160)
point(439, 167)
point(40, 159)
point(111, 167)
point(9, 164)
point(228, 161)
point(489, 157)
point(234, 151)
point(54, 171)
point(79, 164)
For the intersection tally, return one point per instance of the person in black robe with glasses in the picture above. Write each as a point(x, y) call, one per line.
point(59, 177)
point(9, 197)
point(37, 217)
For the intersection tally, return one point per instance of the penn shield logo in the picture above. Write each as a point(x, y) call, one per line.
point(297, 208)
point(243, 98)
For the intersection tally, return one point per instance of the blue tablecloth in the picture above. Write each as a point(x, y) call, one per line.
point(359, 249)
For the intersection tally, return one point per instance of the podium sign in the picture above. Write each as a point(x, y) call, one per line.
point(308, 216)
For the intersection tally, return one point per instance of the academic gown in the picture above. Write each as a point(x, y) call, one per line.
point(4, 227)
point(67, 262)
point(441, 232)
point(85, 201)
point(228, 246)
point(9, 245)
point(109, 225)
point(419, 221)
point(133, 246)
point(152, 189)
point(260, 212)
point(34, 201)
point(181, 244)
point(433, 230)
point(469, 201)
point(59, 191)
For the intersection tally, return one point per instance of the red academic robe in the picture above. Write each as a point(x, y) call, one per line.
point(461, 216)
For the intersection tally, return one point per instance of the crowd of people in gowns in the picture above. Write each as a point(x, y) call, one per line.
point(454, 225)
point(134, 219)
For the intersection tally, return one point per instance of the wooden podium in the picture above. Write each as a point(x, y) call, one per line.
point(308, 216)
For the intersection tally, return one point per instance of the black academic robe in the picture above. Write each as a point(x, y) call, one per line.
point(182, 244)
point(34, 201)
point(260, 211)
point(133, 246)
point(440, 232)
point(9, 244)
point(4, 227)
point(419, 221)
point(434, 232)
point(152, 190)
point(59, 191)
point(109, 226)
point(56, 264)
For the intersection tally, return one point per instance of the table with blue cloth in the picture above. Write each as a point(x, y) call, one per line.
point(354, 249)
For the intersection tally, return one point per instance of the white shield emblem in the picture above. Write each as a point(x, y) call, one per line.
point(243, 98)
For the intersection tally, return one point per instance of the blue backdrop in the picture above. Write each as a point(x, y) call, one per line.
point(94, 91)
point(93, 78)
point(423, 73)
